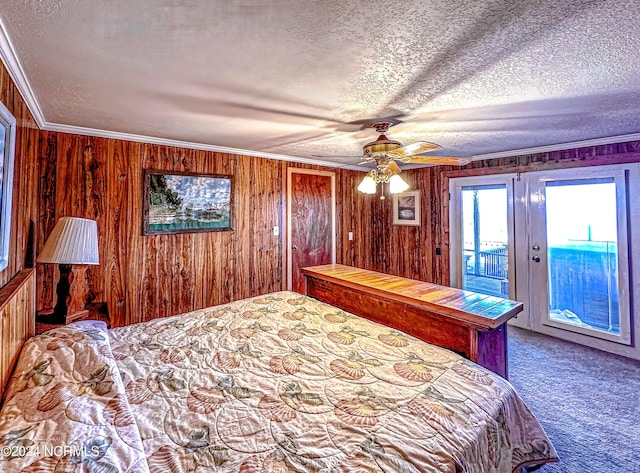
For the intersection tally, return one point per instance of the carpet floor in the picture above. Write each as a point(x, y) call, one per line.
point(588, 401)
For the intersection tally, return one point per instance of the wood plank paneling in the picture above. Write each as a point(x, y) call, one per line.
point(412, 252)
point(17, 296)
point(378, 245)
point(144, 277)
point(17, 321)
point(24, 208)
point(267, 212)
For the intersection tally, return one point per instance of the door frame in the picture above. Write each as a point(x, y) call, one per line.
point(513, 183)
point(288, 265)
point(455, 234)
point(539, 285)
point(522, 248)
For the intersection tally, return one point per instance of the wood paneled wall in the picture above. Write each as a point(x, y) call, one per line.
point(380, 246)
point(413, 251)
point(17, 296)
point(143, 277)
point(24, 215)
point(17, 323)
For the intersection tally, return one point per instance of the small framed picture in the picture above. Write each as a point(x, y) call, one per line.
point(406, 208)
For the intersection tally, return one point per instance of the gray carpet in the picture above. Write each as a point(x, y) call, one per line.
point(588, 402)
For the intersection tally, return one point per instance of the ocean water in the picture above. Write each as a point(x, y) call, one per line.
point(190, 225)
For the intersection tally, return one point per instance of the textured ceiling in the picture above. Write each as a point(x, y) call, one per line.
point(302, 78)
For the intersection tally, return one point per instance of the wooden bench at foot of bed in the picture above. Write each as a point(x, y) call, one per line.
point(469, 323)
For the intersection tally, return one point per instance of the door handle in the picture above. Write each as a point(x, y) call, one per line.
point(536, 259)
point(294, 247)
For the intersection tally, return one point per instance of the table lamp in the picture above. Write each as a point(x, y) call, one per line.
point(73, 240)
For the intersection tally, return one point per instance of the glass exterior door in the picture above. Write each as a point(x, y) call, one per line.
point(483, 229)
point(578, 253)
point(485, 240)
point(556, 240)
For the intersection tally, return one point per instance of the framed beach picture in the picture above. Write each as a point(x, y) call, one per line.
point(185, 202)
point(406, 208)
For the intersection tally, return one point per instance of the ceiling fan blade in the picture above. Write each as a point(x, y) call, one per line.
point(393, 167)
point(439, 160)
point(418, 147)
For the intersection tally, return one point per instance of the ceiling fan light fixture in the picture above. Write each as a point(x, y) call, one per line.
point(368, 184)
point(397, 184)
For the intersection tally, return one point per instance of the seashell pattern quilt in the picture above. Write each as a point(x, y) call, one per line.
point(276, 383)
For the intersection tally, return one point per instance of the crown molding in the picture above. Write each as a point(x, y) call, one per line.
point(559, 147)
point(12, 63)
point(190, 145)
point(296, 159)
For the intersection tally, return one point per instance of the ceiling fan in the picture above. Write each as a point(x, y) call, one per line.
point(385, 152)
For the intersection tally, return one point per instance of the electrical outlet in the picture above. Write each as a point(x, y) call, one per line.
point(350, 236)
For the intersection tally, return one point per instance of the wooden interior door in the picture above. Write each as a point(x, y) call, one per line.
point(311, 232)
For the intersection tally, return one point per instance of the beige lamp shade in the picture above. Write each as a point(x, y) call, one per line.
point(73, 240)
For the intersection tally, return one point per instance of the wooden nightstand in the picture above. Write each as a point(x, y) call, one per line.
point(94, 311)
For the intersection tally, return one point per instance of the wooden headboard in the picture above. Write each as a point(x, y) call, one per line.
point(17, 320)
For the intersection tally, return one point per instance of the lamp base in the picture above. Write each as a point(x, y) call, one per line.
point(48, 316)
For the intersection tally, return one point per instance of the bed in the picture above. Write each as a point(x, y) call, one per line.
point(276, 383)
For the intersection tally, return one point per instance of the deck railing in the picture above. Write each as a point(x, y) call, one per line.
point(491, 263)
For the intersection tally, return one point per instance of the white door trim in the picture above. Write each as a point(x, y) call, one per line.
point(511, 181)
point(538, 285)
point(455, 233)
point(524, 291)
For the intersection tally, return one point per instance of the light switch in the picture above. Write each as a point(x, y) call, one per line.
point(350, 236)
point(276, 230)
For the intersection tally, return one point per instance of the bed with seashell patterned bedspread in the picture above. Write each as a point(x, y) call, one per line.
point(277, 383)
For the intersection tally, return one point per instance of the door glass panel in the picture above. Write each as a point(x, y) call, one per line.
point(582, 252)
point(485, 241)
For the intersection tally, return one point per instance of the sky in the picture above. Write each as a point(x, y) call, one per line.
point(200, 192)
